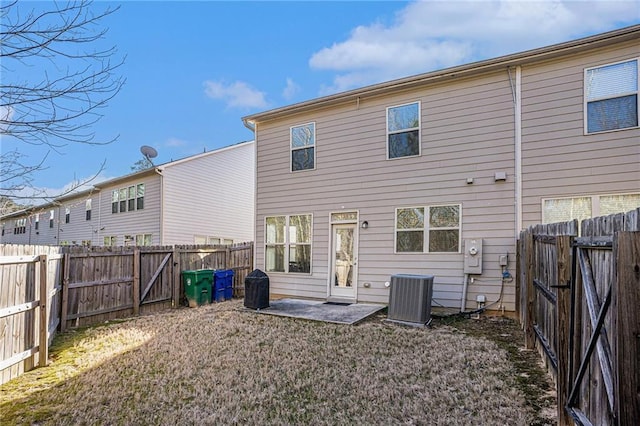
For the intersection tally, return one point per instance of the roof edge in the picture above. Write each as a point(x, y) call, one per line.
point(514, 59)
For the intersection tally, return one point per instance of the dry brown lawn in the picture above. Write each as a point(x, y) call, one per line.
point(222, 364)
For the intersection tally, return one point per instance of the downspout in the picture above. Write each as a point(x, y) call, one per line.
point(516, 91)
point(253, 126)
point(518, 148)
point(465, 284)
point(158, 171)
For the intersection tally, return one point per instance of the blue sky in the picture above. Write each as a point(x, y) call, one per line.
point(193, 69)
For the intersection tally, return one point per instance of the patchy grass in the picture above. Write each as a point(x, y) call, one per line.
point(221, 363)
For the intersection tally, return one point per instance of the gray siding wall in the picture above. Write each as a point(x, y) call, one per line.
point(74, 232)
point(103, 222)
point(211, 195)
point(145, 221)
point(467, 131)
point(558, 159)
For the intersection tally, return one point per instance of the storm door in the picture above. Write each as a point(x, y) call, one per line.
point(343, 277)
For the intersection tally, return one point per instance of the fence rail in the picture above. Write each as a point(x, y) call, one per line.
point(578, 299)
point(89, 285)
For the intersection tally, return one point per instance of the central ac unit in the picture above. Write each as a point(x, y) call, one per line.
point(410, 298)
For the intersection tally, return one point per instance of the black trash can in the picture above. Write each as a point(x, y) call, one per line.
point(256, 290)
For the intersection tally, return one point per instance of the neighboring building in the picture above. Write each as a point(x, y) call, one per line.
point(437, 173)
point(204, 199)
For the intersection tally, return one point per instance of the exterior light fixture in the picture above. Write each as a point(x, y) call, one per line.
point(365, 224)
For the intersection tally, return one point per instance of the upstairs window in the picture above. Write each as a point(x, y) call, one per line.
point(67, 214)
point(20, 226)
point(140, 196)
point(303, 140)
point(403, 130)
point(114, 201)
point(122, 196)
point(611, 97)
point(126, 199)
point(51, 216)
point(37, 221)
point(87, 208)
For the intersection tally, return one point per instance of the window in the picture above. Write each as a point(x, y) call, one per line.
point(37, 221)
point(303, 140)
point(67, 214)
point(127, 199)
point(114, 201)
point(403, 130)
point(20, 226)
point(128, 240)
point(110, 240)
point(122, 196)
point(87, 208)
point(288, 244)
point(611, 97)
point(143, 239)
point(51, 216)
point(436, 228)
point(565, 209)
point(131, 200)
point(140, 196)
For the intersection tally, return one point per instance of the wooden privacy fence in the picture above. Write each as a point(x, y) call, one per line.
point(29, 306)
point(579, 304)
point(105, 283)
point(89, 285)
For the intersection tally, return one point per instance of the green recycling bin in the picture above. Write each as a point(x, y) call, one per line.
point(197, 286)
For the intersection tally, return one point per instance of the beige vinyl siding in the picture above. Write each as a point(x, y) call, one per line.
point(467, 131)
point(558, 160)
point(78, 229)
point(210, 195)
point(145, 221)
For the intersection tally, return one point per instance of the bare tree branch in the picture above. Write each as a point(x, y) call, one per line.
point(77, 80)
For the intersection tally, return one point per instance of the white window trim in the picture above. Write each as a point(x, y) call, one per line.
point(287, 244)
point(419, 129)
point(291, 148)
point(427, 229)
point(585, 101)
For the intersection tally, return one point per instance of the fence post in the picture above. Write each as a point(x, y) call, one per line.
point(43, 350)
point(136, 281)
point(563, 321)
point(175, 302)
point(65, 292)
point(529, 334)
point(626, 252)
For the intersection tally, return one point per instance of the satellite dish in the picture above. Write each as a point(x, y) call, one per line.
point(148, 152)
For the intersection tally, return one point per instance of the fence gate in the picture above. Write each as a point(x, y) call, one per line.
point(592, 324)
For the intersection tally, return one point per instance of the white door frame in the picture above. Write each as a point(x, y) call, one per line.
point(334, 292)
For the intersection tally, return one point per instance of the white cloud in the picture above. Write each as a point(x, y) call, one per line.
point(291, 90)
point(430, 35)
point(237, 94)
point(175, 142)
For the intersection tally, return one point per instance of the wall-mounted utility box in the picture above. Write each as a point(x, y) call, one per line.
point(473, 256)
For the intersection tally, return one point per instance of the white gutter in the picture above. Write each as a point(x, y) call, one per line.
point(161, 239)
point(518, 149)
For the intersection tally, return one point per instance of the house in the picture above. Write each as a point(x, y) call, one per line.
point(437, 173)
point(203, 199)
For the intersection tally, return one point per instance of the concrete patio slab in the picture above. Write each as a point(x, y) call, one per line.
point(321, 311)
